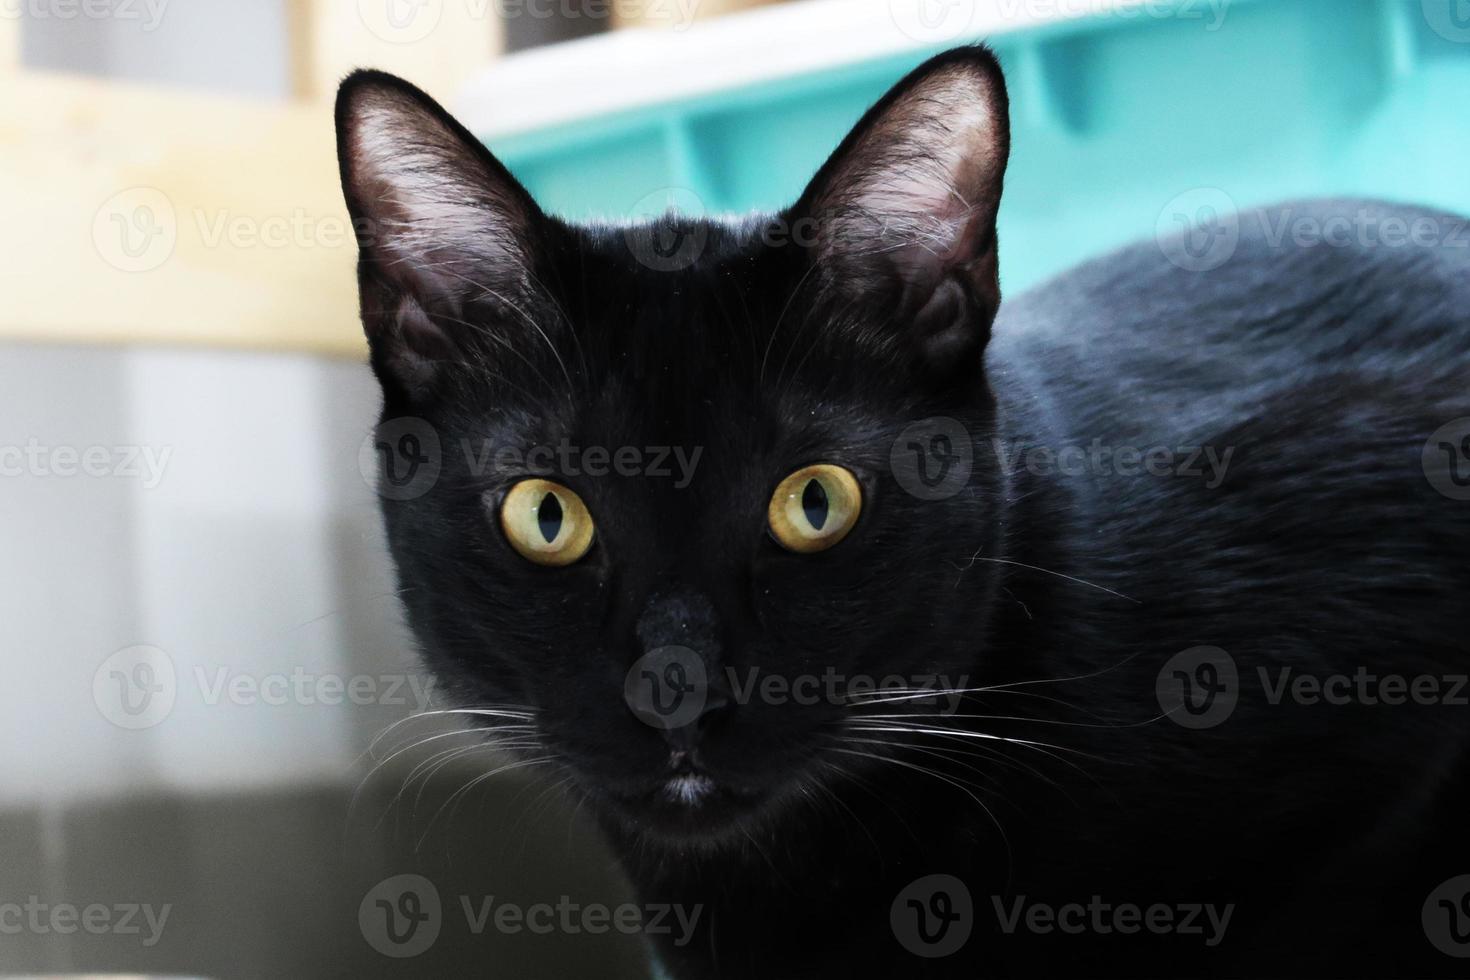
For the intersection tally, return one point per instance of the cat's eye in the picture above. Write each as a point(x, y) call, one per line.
point(547, 523)
point(814, 508)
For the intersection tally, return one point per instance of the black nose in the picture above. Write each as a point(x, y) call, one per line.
point(680, 688)
point(713, 711)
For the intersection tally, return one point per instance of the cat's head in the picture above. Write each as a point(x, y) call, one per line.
point(640, 482)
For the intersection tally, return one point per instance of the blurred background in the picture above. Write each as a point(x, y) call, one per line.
point(200, 635)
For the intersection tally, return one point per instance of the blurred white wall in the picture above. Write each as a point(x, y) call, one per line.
point(224, 522)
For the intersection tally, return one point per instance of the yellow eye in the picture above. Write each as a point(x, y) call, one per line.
point(814, 508)
point(547, 523)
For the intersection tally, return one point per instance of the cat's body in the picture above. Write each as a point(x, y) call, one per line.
point(1167, 482)
point(1322, 370)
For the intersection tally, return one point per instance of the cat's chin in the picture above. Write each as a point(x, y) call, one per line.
point(687, 809)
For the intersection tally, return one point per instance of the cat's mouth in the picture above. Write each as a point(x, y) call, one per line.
point(686, 800)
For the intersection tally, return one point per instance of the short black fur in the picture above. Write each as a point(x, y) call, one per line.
point(1054, 600)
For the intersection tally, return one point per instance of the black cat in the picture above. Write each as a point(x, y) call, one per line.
point(1120, 630)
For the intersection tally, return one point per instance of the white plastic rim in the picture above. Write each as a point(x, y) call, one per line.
point(631, 68)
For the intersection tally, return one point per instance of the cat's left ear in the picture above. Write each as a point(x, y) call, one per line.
point(447, 237)
point(903, 213)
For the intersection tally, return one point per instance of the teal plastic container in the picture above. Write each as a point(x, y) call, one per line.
point(1121, 126)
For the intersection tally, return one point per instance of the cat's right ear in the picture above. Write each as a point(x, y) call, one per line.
point(444, 232)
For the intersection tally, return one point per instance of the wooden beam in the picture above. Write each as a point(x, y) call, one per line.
point(9, 45)
point(158, 216)
point(436, 44)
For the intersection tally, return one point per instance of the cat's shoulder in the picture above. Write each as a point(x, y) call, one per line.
point(1262, 270)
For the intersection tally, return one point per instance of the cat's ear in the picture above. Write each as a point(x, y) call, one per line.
point(903, 213)
point(444, 231)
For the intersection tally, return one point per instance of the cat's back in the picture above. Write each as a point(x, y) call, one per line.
point(1199, 330)
point(1287, 432)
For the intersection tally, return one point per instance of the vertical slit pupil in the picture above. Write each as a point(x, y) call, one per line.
point(814, 504)
point(548, 517)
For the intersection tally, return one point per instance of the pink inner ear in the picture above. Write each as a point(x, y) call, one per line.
point(441, 224)
point(924, 177)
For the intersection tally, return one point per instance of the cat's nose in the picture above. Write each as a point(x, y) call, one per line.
point(678, 636)
point(680, 617)
point(684, 739)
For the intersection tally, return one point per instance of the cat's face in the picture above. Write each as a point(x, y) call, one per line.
point(665, 522)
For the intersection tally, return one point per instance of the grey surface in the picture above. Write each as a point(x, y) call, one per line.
point(258, 552)
point(213, 44)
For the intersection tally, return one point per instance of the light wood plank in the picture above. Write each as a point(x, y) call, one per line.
point(437, 44)
point(9, 44)
point(140, 215)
